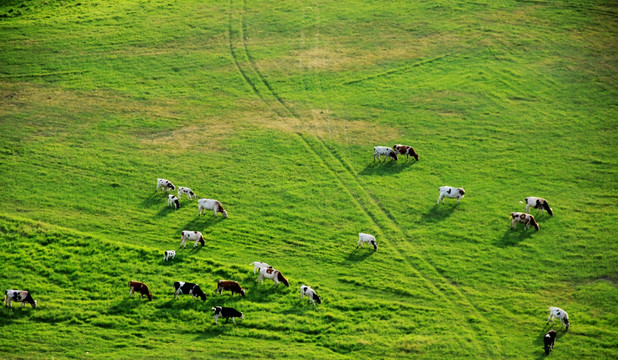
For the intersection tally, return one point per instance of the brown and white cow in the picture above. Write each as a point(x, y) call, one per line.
point(273, 274)
point(136, 286)
point(22, 296)
point(405, 150)
point(523, 218)
point(210, 204)
point(229, 285)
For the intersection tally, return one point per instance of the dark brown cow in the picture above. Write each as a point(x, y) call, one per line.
point(405, 150)
point(229, 285)
point(141, 288)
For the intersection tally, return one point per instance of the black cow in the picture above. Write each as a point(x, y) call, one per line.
point(226, 313)
point(549, 340)
point(181, 287)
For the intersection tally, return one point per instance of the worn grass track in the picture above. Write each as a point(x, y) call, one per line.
point(273, 109)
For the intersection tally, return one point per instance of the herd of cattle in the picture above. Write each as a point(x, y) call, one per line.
point(267, 271)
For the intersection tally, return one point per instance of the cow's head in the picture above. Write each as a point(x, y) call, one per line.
point(242, 292)
point(393, 154)
point(415, 155)
point(462, 192)
point(282, 279)
point(198, 292)
point(216, 310)
point(375, 245)
point(30, 300)
point(170, 185)
point(317, 298)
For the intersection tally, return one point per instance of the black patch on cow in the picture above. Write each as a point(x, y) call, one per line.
point(177, 204)
point(449, 191)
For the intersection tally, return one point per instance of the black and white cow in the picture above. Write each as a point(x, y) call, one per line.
point(22, 296)
point(169, 254)
point(186, 191)
point(226, 313)
point(173, 201)
point(555, 312)
point(538, 203)
point(385, 151)
point(181, 287)
point(548, 341)
point(310, 293)
point(451, 192)
point(526, 219)
point(163, 184)
point(405, 150)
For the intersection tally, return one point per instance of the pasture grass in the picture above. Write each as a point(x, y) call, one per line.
point(273, 108)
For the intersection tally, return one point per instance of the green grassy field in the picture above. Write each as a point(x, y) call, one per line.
point(274, 108)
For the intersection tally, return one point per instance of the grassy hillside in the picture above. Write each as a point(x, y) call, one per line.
point(273, 108)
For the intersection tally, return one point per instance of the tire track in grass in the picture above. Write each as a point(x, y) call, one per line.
point(363, 199)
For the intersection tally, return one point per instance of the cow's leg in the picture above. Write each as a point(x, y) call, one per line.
point(227, 319)
point(131, 291)
point(216, 318)
point(458, 198)
point(513, 224)
point(548, 318)
point(527, 207)
point(441, 197)
point(234, 320)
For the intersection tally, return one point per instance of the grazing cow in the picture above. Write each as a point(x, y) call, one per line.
point(173, 201)
point(191, 235)
point(366, 238)
point(169, 254)
point(385, 151)
point(140, 288)
point(186, 191)
point(257, 265)
point(226, 313)
point(273, 274)
point(523, 218)
point(555, 312)
point(230, 285)
point(310, 293)
point(22, 296)
point(209, 204)
point(451, 192)
point(181, 287)
point(538, 203)
point(549, 339)
point(166, 185)
point(405, 150)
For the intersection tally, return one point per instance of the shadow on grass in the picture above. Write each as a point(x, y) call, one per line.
point(201, 222)
point(128, 304)
point(359, 254)
point(213, 330)
point(439, 213)
point(8, 314)
point(386, 167)
point(513, 237)
point(538, 341)
point(155, 199)
point(164, 212)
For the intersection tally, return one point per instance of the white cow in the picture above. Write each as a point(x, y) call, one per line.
point(555, 312)
point(310, 293)
point(169, 254)
point(210, 204)
point(163, 184)
point(173, 201)
point(186, 191)
point(257, 265)
point(379, 151)
point(191, 235)
point(450, 192)
point(366, 238)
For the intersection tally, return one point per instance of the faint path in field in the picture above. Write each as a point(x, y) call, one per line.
point(461, 307)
